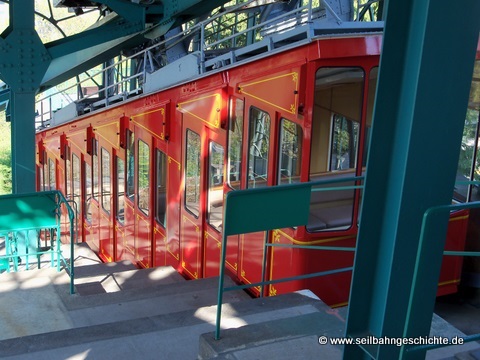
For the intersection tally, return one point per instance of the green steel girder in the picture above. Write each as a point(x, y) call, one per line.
point(22, 65)
point(180, 11)
point(72, 55)
point(28, 65)
point(24, 58)
point(57, 61)
point(422, 97)
point(126, 9)
point(80, 52)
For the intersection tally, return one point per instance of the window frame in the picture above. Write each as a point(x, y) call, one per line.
point(143, 196)
point(120, 195)
point(161, 166)
point(299, 144)
point(77, 182)
point(215, 186)
point(130, 165)
point(235, 131)
point(88, 192)
point(52, 181)
point(106, 196)
point(251, 161)
point(197, 186)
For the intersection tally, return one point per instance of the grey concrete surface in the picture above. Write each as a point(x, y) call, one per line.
point(120, 312)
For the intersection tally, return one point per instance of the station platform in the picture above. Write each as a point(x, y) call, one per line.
point(120, 312)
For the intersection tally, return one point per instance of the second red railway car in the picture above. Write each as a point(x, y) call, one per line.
point(149, 175)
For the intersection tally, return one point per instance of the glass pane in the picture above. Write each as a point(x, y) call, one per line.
point(465, 162)
point(258, 148)
point(192, 175)
point(235, 141)
point(95, 170)
point(372, 88)
point(44, 180)
point(120, 190)
point(335, 140)
point(291, 139)
point(161, 185)
point(76, 182)
point(42, 177)
point(68, 182)
point(106, 180)
point(130, 164)
point(469, 160)
point(51, 175)
point(143, 177)
point(344, 143)
point(476, 176)
point(88, 192)
point(215, 186)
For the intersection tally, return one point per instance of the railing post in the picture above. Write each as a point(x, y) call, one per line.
point(221, 279)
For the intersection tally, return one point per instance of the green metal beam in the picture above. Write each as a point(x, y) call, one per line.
point(27, 65)
point(422, 96)
point(83, 51)
point(22, 65)
point(130, 11)
point(180, 11)
point(23, 142)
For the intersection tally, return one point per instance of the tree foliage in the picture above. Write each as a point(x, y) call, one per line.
point(5, 157)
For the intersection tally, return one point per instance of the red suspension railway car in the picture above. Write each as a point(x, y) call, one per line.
point(149, 175)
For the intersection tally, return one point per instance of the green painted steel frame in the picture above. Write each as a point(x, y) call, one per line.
point(37, 211)
point(260, 209)
point(422, 96)
point(423, 269)
point(27, 65)
point(271, 208)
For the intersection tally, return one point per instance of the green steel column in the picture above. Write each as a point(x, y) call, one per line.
point(23, 64)
point(23, 142)
point(424, 81)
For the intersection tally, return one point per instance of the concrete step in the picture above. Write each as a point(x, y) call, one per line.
point(469, 355)
point(111, 277)
point(166, 336)
point(83, 254)
point(282, 338)
point(138, 303)
point(84, 271)
point(298, 337)
point(132, 294)
point(92, 276)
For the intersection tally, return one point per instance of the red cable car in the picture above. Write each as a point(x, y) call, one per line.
point(149, 175)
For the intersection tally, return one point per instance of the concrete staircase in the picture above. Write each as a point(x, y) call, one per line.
point(120, 312)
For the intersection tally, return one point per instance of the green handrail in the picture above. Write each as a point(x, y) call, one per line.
point(274, 208)
point(278, 216)
point(37, 211)
point(427, 222)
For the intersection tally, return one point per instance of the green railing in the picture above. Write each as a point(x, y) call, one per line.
point(27, 220)
point(289, 205)
point(430, 219)
point(271, 208)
